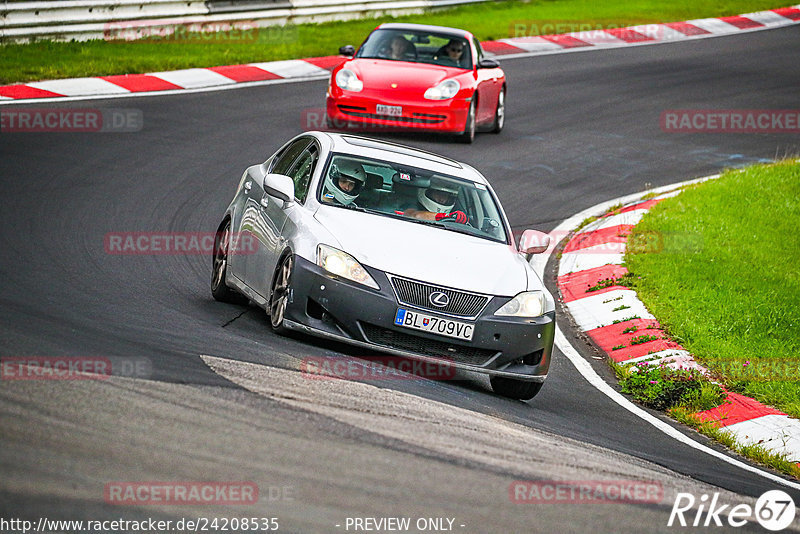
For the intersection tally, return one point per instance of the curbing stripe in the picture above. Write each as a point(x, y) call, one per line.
point(292, 68)
point(743, 23)
point(738, 409)
point(598, 311)
point(629, 35)
point(597, 38)
point(769, 18)
point(687, 29)
point(25, 92)
point(791, 13)
point(589, 258)
point(244, 73)
point(575, 286)
point(612, 234)
point(776, 432)
point(79, 86)
point(193, 78)
point(566, 41)
point(715, 26)
point(137, 83)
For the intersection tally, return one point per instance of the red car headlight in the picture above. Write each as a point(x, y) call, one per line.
point(346, 79)
point(443, 91)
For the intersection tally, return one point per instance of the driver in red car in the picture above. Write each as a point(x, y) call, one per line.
point(452, 51)
point(437, 201)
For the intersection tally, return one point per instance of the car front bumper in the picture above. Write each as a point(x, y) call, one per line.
point(360, 111)
point(325, 305)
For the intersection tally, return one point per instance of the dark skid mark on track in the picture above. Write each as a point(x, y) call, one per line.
point(232, 320)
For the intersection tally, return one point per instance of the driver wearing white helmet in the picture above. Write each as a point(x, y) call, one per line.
point(344, 182)
point(438, 199)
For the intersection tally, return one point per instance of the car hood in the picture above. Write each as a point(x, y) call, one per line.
point(382, 73)
point(425, 253)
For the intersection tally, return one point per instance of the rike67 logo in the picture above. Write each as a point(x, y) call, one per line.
point(774, 511)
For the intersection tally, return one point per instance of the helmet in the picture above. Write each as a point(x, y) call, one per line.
point(348, 170)
point(439, 197)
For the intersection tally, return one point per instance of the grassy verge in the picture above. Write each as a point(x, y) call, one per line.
point(726, 283)
point(52, 60)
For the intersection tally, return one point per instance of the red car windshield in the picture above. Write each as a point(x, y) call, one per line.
point(417, 47)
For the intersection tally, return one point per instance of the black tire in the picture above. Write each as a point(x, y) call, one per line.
point(279, 295)
point(469, 127)
point(219, 266)
point(500, 112)
point(515, 389)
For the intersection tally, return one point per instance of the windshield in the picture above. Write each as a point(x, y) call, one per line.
point(413, 194)
point(417, 47)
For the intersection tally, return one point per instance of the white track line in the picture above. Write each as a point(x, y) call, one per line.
point(594, 379)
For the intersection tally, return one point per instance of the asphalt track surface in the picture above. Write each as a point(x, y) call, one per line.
point(225, 400)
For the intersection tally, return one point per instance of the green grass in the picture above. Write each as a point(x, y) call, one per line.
point(725, 281)
point(51, 60)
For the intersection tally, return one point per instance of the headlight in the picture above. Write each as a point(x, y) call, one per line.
point(446, 89)
point(347, 80)
point(526, 304)
point(343, 264)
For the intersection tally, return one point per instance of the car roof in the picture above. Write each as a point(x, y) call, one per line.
point(366, 146)
point(456, 32)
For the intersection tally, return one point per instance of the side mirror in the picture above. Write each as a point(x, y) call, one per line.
point(279, 186)
point(487, 63)
point(347, 50)
point(533, 242)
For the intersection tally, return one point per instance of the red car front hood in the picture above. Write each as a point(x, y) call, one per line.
point(380, 74)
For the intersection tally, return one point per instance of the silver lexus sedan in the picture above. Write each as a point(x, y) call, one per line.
point(390, 248)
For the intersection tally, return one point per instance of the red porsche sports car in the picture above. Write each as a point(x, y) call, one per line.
point(418, 76)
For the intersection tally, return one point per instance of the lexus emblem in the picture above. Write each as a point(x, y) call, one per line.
point(439, 299)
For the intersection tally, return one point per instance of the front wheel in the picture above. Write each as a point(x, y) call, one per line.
point(469, 126)
point(515, 389)
point(281, 287)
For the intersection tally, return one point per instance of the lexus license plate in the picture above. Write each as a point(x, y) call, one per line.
point(433, 324)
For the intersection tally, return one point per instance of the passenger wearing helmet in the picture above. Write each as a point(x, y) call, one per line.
point(344, 182)
point(438, 200)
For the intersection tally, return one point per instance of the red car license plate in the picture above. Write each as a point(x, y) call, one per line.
point(392, 111)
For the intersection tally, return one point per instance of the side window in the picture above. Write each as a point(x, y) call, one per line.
point(301, 173)
point(478, 50)
point(283, 162)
